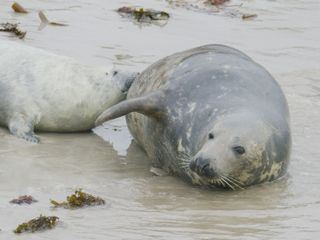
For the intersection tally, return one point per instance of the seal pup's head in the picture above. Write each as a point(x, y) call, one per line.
point(241, 150)
point(123, 79)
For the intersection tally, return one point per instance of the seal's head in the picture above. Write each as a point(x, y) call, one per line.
point(124, 79)
point(239, 151)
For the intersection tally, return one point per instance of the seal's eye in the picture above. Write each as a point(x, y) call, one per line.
point(239, 149)
point(211, 136)
point(115, 73)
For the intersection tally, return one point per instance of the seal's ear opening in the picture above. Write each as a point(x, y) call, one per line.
point(150, 105)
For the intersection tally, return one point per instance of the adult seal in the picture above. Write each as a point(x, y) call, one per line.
point(210, 115)
point(45, 92)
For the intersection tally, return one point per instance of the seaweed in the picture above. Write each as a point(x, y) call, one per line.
point(13, 28)
point(144, 15)
point(209, 6)
point(23, 199)
point(78, 200)
point(18, 8)
point(216, 2)
point(249, 16)
point(37, 224)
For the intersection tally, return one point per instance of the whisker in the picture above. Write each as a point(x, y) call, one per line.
point(235, 180)
point(221, 183)
point(184, 155)
point(185, 161)
point(232, 182)
point(235, 184)
point(227, 183)
point(228, 180)
point(183, 165)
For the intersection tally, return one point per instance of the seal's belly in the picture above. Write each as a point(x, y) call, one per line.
point(65, 123)
point(69, 117)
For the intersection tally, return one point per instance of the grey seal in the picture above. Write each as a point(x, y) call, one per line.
point(43, 91)
point(210, 115)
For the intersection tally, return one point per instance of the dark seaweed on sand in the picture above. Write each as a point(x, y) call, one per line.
point(143, 15)
point(37, 224)
point(78, 200)
point(13, 28)
point(24, 199)
point(216, 2)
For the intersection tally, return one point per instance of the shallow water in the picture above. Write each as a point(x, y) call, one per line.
point(284, 38)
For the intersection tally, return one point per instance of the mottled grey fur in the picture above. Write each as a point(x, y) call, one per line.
point(175, 103)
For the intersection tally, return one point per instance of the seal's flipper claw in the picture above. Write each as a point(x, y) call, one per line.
point(150, 105)
point(158, 172)
point(22, 128)
point(31, 137)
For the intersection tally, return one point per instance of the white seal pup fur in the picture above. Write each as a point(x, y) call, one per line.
point(42, 91)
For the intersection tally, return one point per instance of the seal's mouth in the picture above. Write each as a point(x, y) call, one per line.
point(218, 182)
point(205, 175)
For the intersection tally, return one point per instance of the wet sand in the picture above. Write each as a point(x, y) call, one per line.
point(284, 39)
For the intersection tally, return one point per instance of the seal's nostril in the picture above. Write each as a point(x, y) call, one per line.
point(202, 167)
point(208, 171)
point(195, 164)
point(205, 168)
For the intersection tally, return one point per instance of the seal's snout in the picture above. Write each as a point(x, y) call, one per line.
point(126, 79)
point(202, 167)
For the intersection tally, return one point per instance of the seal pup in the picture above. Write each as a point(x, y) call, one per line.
point(45, 92)
point(210, 115)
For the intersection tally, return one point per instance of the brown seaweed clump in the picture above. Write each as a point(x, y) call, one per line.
point(23, 199)
point(37, 224)
point(217, 2)
point(12, 27)
point(78, 200)
point(144, 15)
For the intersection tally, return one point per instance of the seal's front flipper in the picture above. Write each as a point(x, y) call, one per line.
point(150, 105)
point(158, 172)
point(23, 128)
